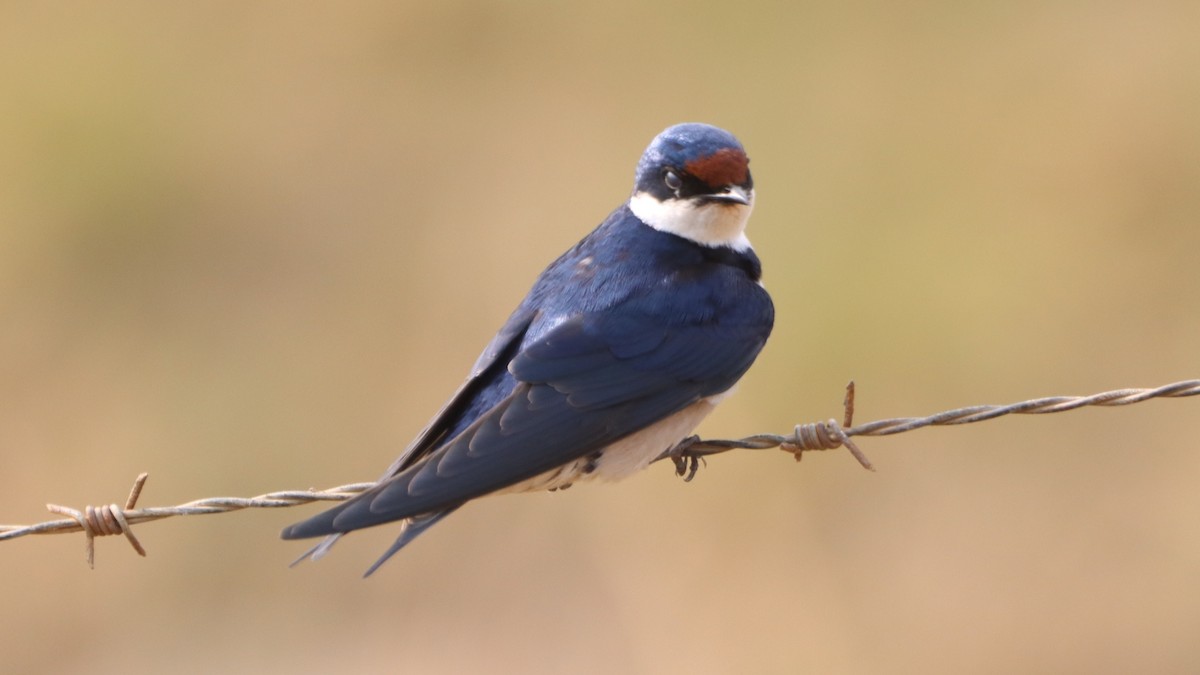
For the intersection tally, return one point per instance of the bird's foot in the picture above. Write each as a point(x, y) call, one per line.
point(686, 462)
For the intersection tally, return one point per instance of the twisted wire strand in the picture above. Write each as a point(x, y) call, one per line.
point(687, 456)
point(830, 435)
point(110, 520)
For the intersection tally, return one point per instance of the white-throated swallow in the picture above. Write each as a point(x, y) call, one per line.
point(623, 345)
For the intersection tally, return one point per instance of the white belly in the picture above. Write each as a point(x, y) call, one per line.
point(628, 455)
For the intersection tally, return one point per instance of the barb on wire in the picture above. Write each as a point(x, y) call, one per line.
point(107, 520)
point(104, 520)
point(687, 456)
point(830, 435)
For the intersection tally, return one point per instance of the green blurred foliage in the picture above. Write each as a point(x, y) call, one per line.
point(252, 246)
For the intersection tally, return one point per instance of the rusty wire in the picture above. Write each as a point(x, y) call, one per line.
point(687, 455)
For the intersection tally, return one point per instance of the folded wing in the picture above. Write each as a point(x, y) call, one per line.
point(584, 384)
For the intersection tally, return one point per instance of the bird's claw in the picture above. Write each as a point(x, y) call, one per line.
point(686, 462)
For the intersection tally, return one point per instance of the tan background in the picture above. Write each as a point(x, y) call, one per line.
point(253, 247)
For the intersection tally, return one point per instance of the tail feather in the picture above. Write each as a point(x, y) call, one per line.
point(413, 527)
point(319, 525)
point(317, 552)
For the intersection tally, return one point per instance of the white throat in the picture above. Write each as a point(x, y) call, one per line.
point(713, 224)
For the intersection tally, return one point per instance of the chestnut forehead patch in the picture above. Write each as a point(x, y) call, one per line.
point(727, 166)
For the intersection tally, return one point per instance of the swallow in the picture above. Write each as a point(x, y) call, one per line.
point(622, 346)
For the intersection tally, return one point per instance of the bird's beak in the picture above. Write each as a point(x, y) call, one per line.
point(732, 194)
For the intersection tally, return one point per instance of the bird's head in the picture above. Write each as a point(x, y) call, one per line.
point(694, 181)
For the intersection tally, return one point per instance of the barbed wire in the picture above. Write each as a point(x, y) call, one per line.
point(830, 435)
point(687, 456)
point(99, 521)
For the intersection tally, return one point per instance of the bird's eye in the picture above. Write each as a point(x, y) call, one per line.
point(672, 180)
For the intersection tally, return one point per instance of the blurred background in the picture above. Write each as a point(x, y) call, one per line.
point(253, 246)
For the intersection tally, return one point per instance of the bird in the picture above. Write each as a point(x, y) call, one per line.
point(619, 350)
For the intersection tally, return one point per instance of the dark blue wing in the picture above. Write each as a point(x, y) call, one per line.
point(487, 383)
point(578, 387)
